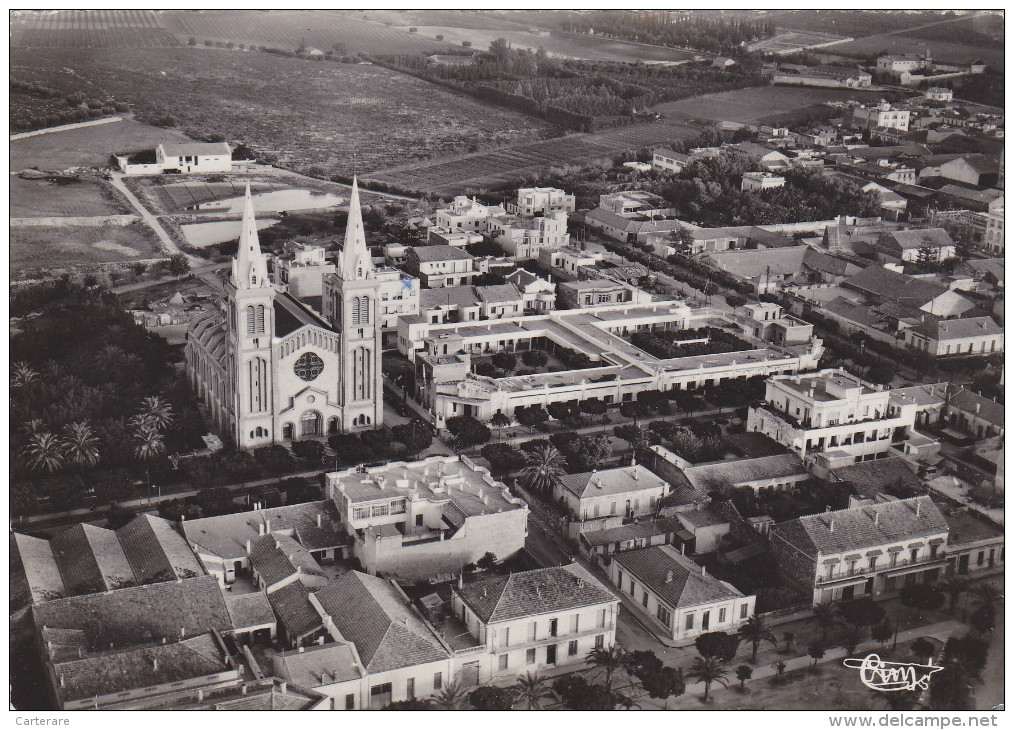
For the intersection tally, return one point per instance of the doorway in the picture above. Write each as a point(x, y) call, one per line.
point(551, 655)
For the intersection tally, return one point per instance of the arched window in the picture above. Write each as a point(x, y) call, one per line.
point(258, 379)
point(362, 380)
point(356, 310)
point(251, 319)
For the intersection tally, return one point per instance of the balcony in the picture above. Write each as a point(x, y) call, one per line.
point(886, 569)
point(560, 638)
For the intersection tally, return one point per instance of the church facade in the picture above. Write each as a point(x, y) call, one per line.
point(270, 369)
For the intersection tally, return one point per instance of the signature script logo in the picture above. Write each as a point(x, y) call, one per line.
point(883, 676)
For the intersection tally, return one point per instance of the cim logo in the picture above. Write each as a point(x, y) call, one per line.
point(883, 676)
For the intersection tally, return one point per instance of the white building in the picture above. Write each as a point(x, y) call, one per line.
point(669, 160)
point(533, 201)
point(966, 336)
point(301, 269)
point(754, 182)
point(538, 619)
point(537, 294)
point(202, 157)
point(830, 411)
point(882, 116)
point(398, 295)
point(414, 520)
point(466, 214)
point(938, 93)
point(524, 238)
point(677, 595)
point(628, 492)
point(897, 64)
point(437, 266)
point(567, 261)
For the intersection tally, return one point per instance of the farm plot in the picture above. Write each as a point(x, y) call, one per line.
point(177, 197)
point(758, 104)
point(85, 197)
point(289, 29)
point(62, 246)
point(318, 117)
point(89, 29)
point(495, 167)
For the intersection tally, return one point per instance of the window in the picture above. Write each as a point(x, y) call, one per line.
point(418, 520)
point(504, 658)
point(742, 611)
point(308, 366)
point(533, 628)
point(553, 626)
point(690, 622)
point(530, 656)
point(361, 513)
point(572, 648)
point(982, 557)
point(600, 621)
point(873, 562)
point(721, 615)
point(398, 506)
point(600, 641)
point(914, 554)
point(410, 688)
point(575, 623)
point(438, 680)
point(664, 615)
point(644, 598)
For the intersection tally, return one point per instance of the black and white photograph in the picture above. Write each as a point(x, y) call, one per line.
point(507, 360)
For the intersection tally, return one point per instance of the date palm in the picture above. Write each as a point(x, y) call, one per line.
point(754, 631)
point(708, 670)
point(545, 464)
point(609, 660)
point(32, 426)
point(44, 452)
point(80, 444)
point(155, 413)
point(148, 443)
point(533, 689)
point(954, 586)
point(985, 596)
point(452, 696)
point(23, 375)
point(826, 616)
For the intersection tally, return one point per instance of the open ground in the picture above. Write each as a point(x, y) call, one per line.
point(40, 247)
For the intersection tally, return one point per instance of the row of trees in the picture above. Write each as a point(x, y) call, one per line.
point(676, 343)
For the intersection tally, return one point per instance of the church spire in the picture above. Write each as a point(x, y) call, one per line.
point(249, 268)
point(356, 262)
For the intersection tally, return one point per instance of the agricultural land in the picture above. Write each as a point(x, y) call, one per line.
point(37, 247)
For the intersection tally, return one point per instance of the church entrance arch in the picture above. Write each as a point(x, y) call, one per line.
point(311, 424)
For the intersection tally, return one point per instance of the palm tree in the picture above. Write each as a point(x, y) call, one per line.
point(754, 631)
point(954, 586)
point(81, 445)
point(44, 452)
point(452, 696)
point(545, 464)
point(628, 703)
point(826, 616)
point(608, 659)
point(708, 670)
point(155, 412)
point(149, 443)
point(32, 427)
point(986, 596)
point(533, 689)
point(23, 375)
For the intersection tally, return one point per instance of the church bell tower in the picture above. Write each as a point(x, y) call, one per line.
point(250, 302)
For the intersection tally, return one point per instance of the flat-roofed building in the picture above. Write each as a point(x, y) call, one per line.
point(533, 201)
point(415, 520)
point(830, 410)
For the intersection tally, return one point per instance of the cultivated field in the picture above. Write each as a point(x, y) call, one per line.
point(63, 246)
point(87, 146)
point(85, 197)
point(758, 104)
point(312, 116)
point(793, 41)
point(89, 29)
point(488, 169)
point(559, 44)
point(290, 28)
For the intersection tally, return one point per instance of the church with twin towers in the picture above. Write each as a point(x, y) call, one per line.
point(269, 369)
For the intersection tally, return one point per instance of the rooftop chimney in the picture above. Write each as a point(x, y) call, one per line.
point(200, 695)
point(704, 570)
point(183, 632)
point(267, 524)
point(876, 518)
point(320, 520)
point(154, 664)
point(248, 546)
point(300, 650)
point(668, 576)
point(918, 507)
point(284, 687)
point(832, 526)
point(260, 529)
